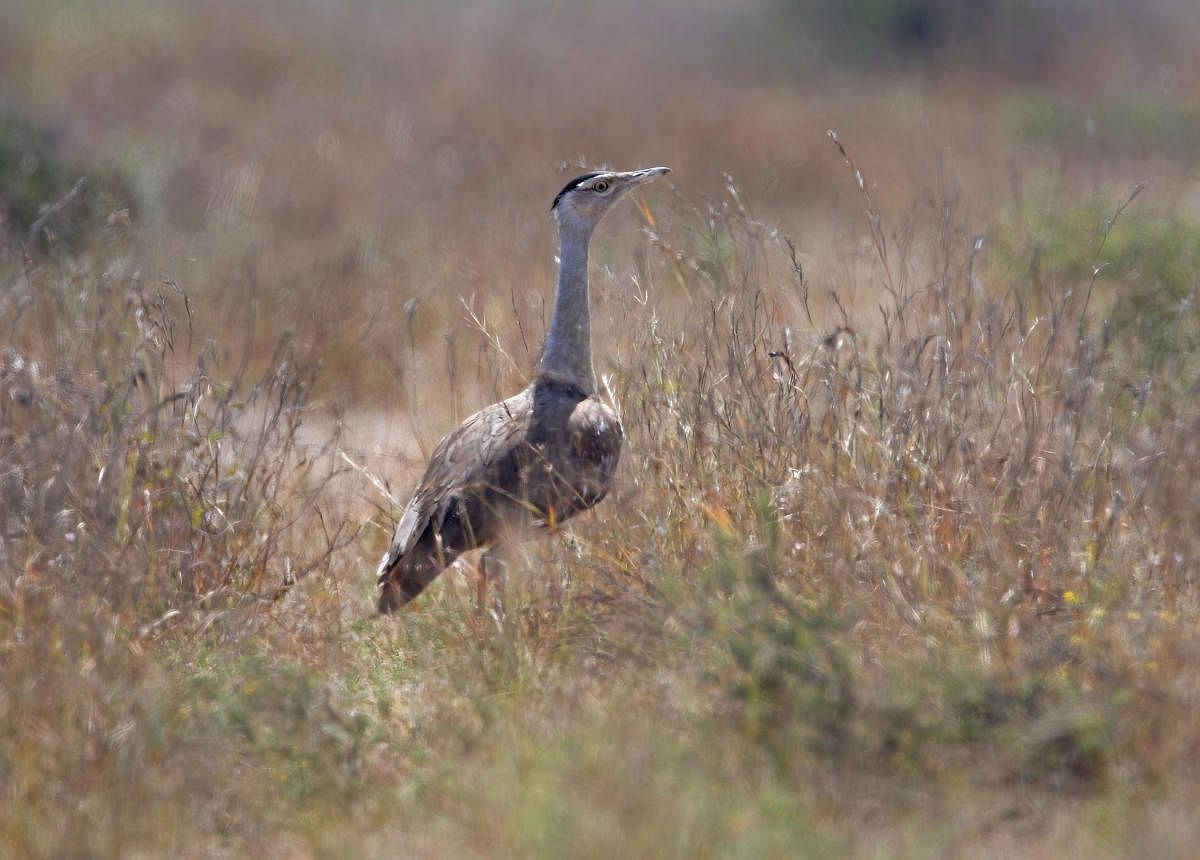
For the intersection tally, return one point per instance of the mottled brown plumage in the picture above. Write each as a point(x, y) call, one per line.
point(526, 463)
point(531, 461)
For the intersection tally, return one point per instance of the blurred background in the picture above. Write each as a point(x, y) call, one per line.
point(342, 159)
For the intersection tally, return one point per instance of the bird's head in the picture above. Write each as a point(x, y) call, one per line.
point(585, 199)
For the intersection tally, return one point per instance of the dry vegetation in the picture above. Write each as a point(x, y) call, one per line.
point(902, 560)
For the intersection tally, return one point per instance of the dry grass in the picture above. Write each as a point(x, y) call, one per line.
point(901, 561)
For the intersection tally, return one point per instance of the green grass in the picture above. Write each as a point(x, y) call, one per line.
point(1142, 125)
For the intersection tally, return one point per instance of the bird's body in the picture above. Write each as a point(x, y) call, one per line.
point(526, 463)
point(536, 459)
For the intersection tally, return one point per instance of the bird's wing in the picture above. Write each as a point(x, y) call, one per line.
point(464, 458)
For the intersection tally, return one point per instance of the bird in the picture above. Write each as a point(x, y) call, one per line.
point(529, 462)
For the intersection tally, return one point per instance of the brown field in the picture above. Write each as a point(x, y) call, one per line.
point(902, 559)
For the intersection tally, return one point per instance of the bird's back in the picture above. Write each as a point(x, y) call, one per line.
point(528, 462)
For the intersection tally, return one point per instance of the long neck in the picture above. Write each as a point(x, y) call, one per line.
point(567, 354)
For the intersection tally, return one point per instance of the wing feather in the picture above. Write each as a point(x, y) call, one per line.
point(462, 461)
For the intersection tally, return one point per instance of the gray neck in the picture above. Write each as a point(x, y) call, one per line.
point(567, 354)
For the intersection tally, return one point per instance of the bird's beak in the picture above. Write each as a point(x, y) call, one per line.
point(637, 177)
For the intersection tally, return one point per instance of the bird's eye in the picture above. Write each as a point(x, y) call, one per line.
point(601, 186)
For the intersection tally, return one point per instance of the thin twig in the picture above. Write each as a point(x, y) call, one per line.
point(57, 206)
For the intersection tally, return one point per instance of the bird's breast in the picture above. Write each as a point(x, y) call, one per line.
point(574, 445)
point(596, 437)
point(595, 432)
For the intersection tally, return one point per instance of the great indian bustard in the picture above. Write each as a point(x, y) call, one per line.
point(537, 458)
